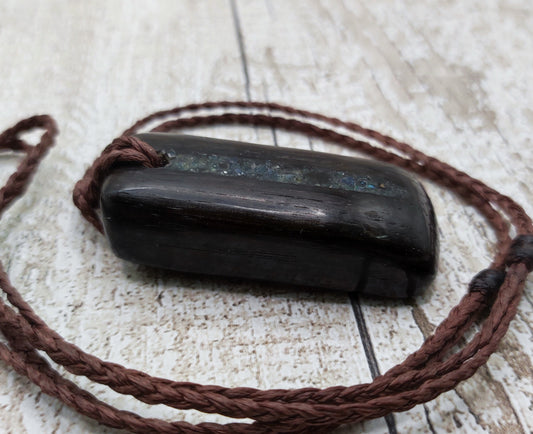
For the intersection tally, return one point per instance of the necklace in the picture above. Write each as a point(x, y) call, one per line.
point(431, 370)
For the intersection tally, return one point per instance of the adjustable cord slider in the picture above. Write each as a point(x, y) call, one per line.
point(487, 281)
point(521, 250)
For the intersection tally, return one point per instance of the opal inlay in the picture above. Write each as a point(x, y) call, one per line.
point(278, 172)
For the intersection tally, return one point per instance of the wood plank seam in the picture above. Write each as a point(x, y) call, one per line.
point(369, 351)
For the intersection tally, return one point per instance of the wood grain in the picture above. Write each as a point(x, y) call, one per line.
point(452, 78)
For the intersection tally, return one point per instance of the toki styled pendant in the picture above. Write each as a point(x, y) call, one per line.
point(283, 215)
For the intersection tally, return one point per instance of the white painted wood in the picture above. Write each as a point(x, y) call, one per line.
point(451, 78)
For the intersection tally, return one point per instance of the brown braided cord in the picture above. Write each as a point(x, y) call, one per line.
point(421, 377)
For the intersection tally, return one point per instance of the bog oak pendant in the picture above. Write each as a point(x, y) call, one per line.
point(282, 215)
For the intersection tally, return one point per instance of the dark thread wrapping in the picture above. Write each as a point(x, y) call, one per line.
point(487, 281)
point(521, 251)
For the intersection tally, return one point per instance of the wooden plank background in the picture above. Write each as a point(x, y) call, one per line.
point(452, 78)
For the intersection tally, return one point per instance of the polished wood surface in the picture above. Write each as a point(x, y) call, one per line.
point(275, 214)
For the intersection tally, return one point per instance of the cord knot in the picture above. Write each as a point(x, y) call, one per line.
point(521, 250)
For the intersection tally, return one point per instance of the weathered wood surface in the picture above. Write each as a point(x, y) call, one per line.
point(452, 78)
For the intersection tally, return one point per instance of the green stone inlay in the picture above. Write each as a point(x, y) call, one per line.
point(278, 172)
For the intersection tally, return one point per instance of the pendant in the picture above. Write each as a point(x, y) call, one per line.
point(282, 215)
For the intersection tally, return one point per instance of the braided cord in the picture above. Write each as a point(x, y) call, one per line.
point(425, 374)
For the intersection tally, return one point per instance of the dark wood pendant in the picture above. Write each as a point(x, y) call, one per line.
point(283, 215)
